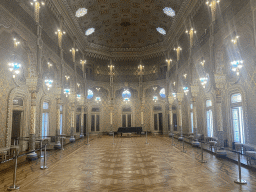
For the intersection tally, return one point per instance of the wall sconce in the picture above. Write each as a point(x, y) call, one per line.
point(98, 89)
point(49, 64)
point(236, 66)
point(210, 2)
point(60, 33)
point(186, 90)
point(191, 31)
point(234, 41)
point(67, 77)
point(185, 76)
point(202, 63)
point(16, 43)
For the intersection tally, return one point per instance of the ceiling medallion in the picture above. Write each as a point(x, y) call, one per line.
point(161, 30)
point(81, 12)
point(89, 31)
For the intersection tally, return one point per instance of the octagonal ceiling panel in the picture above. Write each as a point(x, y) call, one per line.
point(124, 23)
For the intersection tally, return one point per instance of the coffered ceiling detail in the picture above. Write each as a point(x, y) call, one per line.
point(124, 23)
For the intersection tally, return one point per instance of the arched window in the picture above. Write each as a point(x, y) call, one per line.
point(162, 92)
point(45, 119)
point(126, 95)
point(90, 94)
point(209, 118)
point(237, 118)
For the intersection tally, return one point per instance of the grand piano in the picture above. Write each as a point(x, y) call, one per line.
point(122, 130)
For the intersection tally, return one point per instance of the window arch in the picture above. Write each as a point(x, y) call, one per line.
point(90, 94)
point(237, 118)
point(162, 93)
point(126, 95)
point(209, 118)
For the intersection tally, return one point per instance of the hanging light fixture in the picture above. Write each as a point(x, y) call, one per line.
point(48, 83)
point(204, 81)
point(97, 99)
point(14, 68)
point(236, 66)
point(67, 92)
point(174, 95)
point(186, 90)
point(210, 2)
point(234, 41)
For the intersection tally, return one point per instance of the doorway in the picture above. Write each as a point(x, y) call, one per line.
point(158, 122)
point(16, 126)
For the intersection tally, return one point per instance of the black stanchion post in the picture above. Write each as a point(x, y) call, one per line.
point(113, 138)
point(183, 147)
point(14, 186)
point(146, 137)
point(202, 154)
point(44, 167)
point(239, 181)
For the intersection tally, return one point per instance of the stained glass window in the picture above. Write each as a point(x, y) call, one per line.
point(45, 105)
point(162, 92)
point(208, 103)
point(126, 94)
point(81, 12)
point(161, 30)
point(236, 98)
point(89, 31)
point(90, 94)
point(169, 11)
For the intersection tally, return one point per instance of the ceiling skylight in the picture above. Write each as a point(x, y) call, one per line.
point(81, 12)
point(161, 30)
point(89, 31)
point(169, 11)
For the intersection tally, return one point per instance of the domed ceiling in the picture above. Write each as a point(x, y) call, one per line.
point(124, 23)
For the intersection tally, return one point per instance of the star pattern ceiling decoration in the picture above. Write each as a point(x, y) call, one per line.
point(125, 23)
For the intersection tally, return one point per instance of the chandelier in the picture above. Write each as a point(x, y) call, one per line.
point(14, 68)
point(155, 98)
point(186, 90)
point(204, 81)
point(67, 92)
point(48, 83)
point(236, 66)
point(97, 99)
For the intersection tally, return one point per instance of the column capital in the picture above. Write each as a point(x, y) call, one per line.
point(180, 96)
point(171, 99)
point(32, 82)
point(194, 90)
point(220, 80)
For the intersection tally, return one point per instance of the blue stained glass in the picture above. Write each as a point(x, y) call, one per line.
point(45, 105)
point(236, 98)
point(208, 103)
point(81, 12)
point(89, 31)
point(126, 94)
point(162, 93)
point(90, 94)
point(161, 30)
point(169, 11)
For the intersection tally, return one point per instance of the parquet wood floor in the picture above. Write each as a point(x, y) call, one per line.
point(129, 165)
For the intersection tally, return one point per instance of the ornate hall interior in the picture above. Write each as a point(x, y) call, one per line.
point(127, 95)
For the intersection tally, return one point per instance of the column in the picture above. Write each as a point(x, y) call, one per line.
point(32, 138)
point(72, 123)
point(253, 6)
point(82, 123)
point(220, 81)
point(180, 98)
point(171, 100)
point(58, 144)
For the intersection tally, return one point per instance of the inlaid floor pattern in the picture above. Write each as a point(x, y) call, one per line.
point(132, 165)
